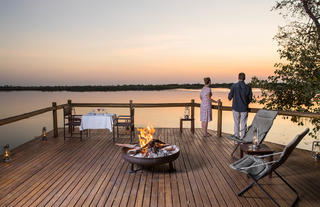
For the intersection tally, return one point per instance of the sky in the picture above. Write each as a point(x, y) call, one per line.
point(77, 42)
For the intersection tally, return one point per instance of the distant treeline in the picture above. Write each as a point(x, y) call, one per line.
point(111, 87)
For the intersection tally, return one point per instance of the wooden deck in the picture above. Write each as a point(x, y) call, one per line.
point(92, 173)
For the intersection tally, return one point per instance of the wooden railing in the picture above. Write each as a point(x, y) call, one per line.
point(191, 104)
point(53, 108)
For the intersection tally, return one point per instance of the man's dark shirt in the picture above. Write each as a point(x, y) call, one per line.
point(241, 95)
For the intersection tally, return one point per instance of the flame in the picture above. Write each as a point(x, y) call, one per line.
point(146, 135)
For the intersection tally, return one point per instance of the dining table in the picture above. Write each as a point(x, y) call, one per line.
point(97, 121)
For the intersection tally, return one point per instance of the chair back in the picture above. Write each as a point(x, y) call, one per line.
point(69, 114)
point(262, 123)
point(67, 111)
point(288, 149)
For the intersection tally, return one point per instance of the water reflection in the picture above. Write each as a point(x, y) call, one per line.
point(13, 103)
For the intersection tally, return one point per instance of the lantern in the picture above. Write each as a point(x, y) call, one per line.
point(316, 149)
point(44, 134)
point(6, 153)
point(255, 139)
point(186, 112)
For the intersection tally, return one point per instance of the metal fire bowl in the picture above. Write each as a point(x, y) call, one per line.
point(149, 161)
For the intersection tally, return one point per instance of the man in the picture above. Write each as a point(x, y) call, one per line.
point(241, 95)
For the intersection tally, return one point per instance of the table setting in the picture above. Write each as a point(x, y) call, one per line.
point(97, 119)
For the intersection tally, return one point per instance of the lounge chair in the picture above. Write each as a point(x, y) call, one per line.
point(257, 168)
point(262, 122)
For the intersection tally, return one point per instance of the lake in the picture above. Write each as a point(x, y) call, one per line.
point(18, 102)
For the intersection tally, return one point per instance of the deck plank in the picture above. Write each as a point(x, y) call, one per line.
point(220, 155)
point(191, 150)
point(168, 185)
point(37, 182)
point(92, 173)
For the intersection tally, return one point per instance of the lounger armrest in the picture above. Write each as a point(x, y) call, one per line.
point(232, 137)
point(252, 166)
point(269, 155)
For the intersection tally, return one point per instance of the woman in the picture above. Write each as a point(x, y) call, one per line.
point(205, 107)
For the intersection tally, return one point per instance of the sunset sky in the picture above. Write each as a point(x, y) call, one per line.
point(75, 42)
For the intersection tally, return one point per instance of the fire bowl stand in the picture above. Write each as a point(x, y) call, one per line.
point(151, 162)
point(132, 170)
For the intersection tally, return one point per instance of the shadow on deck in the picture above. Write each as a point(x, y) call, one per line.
point(92, 173)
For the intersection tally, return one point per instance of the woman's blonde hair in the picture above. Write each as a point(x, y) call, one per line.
point(206, 80)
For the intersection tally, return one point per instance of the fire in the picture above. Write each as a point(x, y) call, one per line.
point(146, 135)
point(149, 146)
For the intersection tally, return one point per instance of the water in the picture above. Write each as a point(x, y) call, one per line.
point(14, 103)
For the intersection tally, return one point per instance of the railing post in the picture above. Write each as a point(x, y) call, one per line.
point(55, 119)
point(192, 116)
point(132, 111)
point(70, 108)
point(219, 123)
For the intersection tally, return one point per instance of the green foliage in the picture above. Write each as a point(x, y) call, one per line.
point(295, 84)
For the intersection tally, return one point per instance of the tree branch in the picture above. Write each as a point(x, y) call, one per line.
point(312, 16)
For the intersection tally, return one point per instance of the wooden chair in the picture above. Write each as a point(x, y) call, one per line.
point(70, 121)
point(124, 121)
point(256, 167)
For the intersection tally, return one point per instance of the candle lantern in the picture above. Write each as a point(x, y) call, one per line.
point(6, 153)
point(255, 139)
point(187, 112)
point(44, 134)
point(316, 150)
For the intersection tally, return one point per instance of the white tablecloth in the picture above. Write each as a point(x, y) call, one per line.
point(97, 121)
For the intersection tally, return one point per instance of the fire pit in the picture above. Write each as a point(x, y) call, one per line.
point(149, 151)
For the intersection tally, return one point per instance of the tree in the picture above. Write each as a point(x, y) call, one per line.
point(295, 84)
